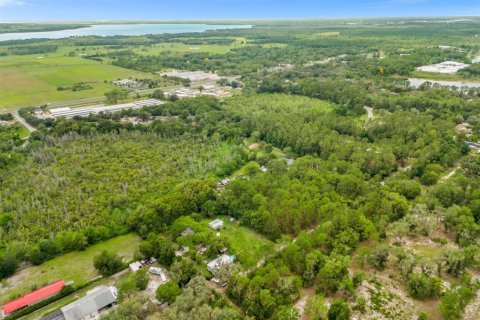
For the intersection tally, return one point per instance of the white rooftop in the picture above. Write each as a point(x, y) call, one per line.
point(86, 111)
point(447, 67)
point(222, 261)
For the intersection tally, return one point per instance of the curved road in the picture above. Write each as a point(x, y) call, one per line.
point(17, 117)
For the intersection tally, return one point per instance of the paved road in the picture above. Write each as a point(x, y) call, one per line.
point(17, 116)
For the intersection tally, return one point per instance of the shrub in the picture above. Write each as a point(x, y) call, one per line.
point(168, 292)
point(339, 310)
point(422, 286)
point(108, 263)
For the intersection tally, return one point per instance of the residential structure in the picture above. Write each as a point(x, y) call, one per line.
point(182, 252)
point(90, 306)
point(187, 232)
point(219, 263)
point(216, 224)
point(32, 298)
point(135, 266)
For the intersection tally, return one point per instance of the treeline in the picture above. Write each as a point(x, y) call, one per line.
point(32, 49)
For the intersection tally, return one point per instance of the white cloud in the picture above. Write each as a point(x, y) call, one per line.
point(7, 3)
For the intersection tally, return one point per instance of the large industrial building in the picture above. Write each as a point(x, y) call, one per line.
point(86, 111)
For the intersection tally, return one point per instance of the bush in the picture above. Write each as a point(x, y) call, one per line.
point(141, 279)
point(339, 310)
point(108, 263)
point(454, 301)
point(168, 292)
point(6, 117)
point(8, 265)
point(379, 257)
point(422, 286)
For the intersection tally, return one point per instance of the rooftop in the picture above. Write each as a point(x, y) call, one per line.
point(91, 303)
point(33, 297)
point(447, 67)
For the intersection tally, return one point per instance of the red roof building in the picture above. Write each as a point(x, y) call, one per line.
point(33, 297)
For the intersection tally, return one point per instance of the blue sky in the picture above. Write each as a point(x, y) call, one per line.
point(15, 10)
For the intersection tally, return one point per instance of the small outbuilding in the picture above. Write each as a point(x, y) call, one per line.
point(187, 232)
point(216, 224)
point(182, 252)
point(135, 266)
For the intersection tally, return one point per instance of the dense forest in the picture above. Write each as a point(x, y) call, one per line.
point(360, 190)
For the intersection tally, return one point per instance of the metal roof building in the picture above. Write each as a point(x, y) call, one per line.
point(91, 304)
point(68, 112)
point(33, 297)
point(220, 262)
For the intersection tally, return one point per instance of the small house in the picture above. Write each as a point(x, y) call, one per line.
point(187, 232)
point(182, 252)
point(219, 263)
point(135, 266)
point(216, 224)
point(201, 249)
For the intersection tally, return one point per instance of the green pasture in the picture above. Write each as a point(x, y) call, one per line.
point(34, 79)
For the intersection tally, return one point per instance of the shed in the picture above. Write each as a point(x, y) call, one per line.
point(216, 224)
point(187, 232)
point(135, 266)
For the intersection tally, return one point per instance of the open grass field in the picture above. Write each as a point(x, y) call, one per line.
point(246, 244)
point(74, 266)
point(34, 79)
point(155, 49)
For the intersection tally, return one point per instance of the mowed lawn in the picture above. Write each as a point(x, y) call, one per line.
point(34, 79)
point(74, 266)
point(248, 246)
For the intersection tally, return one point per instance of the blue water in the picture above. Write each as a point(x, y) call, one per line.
point(105, 30)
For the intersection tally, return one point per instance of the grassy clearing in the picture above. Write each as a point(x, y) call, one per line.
point(34, 79)
point(23, 132)
point(442, 76)
point(246, 244)
point(74, 266)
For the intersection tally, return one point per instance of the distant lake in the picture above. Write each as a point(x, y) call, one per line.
point(105, 30)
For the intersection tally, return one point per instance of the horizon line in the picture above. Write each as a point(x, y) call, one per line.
point(243, 19)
